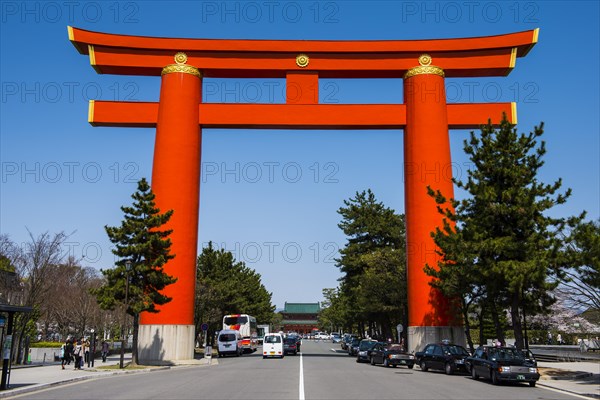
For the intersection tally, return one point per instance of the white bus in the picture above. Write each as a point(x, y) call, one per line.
point(246, 325)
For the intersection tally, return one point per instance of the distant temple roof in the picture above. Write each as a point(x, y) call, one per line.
point(302, 308)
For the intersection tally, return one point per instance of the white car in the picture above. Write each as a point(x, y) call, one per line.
point(229, 342)
point(273, 345)
point(322, 336)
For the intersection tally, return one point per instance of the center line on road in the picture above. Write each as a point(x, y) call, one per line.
point(301, 388)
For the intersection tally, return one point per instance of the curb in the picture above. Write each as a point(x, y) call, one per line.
point(590, 395)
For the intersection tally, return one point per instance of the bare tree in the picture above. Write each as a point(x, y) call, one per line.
point(34, 265)
point(10, 257)
point(580, 284)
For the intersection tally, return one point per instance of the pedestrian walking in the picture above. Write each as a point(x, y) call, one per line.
point(559, 339)
point(86, 352)
point(67, 353)
point(104, 350)
point(78, 354)
point(549, 337)
point(62, 354)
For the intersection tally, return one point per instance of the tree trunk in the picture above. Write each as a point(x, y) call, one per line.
point(497, 325)
point(480, 319)
point(21, 328)
point(465, 310)
point(516, 321)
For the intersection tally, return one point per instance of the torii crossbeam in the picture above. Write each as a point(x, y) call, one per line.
point(179, 116)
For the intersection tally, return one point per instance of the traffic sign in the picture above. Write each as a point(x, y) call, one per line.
point(204, 326)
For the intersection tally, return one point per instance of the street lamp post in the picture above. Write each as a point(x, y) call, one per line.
point(93, 349)
point(127, 266)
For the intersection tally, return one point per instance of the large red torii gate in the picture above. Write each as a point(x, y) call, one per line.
point(180, 115)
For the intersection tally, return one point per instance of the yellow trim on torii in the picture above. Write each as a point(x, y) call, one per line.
point(91, 112)
point(513, 112)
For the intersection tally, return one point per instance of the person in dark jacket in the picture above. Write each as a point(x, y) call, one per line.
point(104, 350)
point(67, 353)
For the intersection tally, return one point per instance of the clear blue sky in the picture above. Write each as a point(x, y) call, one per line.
point(60, 174)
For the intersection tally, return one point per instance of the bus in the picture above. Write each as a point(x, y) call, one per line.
point(246, 325)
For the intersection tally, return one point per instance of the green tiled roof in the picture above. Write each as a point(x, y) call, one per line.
point(300, 322)
point(302, 308)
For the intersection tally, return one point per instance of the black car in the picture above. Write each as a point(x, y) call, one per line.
point(391, 355)
point(445, 356)
point(298, 341)
point(346, 340)
point(500, 364)
point(353, 346)
point(290, 345)
point(364, 350)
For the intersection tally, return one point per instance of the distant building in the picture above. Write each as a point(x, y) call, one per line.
point(300, 317)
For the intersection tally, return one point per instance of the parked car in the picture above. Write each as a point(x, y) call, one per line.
point(500, 364)
point(353, 346)
point(290, 345)
point(335, 337)
point(445, 356)
point(347, 338)
point(364, 350)
point(391, 355)
point(321, 336)
point(298, 341)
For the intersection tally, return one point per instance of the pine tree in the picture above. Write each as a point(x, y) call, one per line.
point(504, 245)
point(375, 250)
point(142, 249)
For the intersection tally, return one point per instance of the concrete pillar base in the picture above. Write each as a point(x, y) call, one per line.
point(165, 344)
point(419, 336)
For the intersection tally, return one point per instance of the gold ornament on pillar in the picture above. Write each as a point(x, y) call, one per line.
point(425, 68)
point(181, 66)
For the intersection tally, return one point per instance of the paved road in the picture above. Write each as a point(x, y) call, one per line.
point(320, 372)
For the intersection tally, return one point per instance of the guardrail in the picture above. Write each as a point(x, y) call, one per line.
point(565, 353)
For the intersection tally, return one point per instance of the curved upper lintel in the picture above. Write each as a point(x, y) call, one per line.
point(140, 55)
point(523, 41)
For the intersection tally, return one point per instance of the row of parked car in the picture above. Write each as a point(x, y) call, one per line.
point(375, 352)
point(496, 363)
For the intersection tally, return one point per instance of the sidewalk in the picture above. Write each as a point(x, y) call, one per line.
point(28, 378)
point(582, 378)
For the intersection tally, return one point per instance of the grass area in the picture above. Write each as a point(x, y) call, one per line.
point(128, 366)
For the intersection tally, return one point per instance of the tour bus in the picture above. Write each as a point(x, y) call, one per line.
point(246, 325)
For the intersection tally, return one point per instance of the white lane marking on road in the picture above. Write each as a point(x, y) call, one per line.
point(301, 386)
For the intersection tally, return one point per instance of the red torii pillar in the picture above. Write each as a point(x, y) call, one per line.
point(427, 163)
point(425, 117)
point(176, 184)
